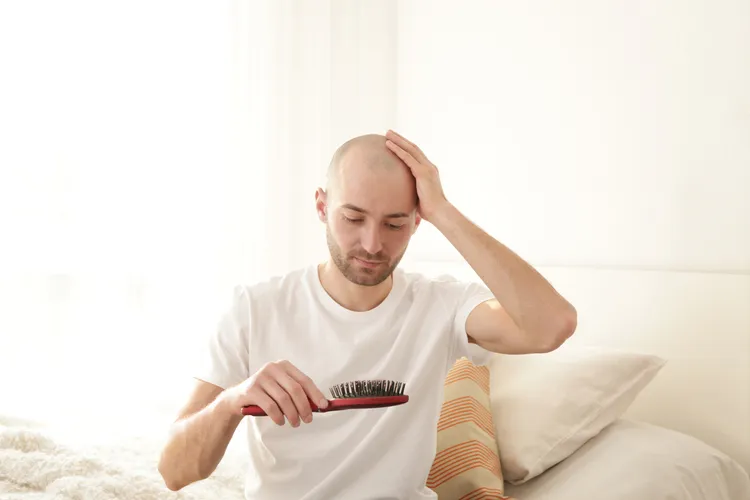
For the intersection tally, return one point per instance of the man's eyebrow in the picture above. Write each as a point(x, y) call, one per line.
point(396, 215)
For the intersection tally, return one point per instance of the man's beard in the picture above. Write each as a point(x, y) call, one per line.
point(360, 275)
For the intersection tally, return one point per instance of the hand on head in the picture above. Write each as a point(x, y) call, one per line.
point(429, 188)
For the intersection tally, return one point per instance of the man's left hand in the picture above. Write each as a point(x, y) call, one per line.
point(429, 189)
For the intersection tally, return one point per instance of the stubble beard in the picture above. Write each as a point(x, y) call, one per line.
point(360, 275)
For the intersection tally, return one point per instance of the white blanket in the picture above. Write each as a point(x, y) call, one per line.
point(37, 465)
point(628, 461)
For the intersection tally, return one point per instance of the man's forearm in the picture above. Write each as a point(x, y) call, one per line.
point(532, 303)
point(197, 444)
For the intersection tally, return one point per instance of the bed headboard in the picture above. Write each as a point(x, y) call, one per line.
point(699, 322)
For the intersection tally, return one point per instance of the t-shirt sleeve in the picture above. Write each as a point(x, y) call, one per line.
point(224, 356)
point(464, 297)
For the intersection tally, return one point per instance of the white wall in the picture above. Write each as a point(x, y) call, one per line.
point(609, 144)
point(588, 133)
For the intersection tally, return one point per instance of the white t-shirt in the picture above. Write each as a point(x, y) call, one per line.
point(414, 336)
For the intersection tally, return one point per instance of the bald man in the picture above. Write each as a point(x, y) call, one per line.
point(358, 316)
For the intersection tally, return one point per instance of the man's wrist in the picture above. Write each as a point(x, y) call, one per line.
point(445, 216)
point(223, 408)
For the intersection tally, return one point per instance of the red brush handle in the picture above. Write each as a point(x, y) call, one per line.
point(340, 404)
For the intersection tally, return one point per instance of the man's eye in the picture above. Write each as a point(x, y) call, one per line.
point(395, 227)
point(353, 221)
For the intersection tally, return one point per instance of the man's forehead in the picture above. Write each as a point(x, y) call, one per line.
point(390, 214)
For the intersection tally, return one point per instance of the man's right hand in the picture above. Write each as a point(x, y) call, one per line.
point(281, 390)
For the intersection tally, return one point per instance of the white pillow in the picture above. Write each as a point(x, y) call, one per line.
point(546, 406)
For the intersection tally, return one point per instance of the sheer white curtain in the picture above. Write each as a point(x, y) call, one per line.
point(120, 192)
point(153, 155)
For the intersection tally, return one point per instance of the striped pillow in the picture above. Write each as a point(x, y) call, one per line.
point(467, 462)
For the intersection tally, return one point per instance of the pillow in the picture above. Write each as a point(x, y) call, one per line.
point(467, 461)
point(546, 406)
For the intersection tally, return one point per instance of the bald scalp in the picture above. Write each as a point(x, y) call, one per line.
point(363, 152)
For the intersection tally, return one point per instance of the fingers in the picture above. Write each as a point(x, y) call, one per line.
point(268, 405)
point(405, 156)
point(282, 398)
point(407, 146)
point(298, 398)
point(401, 141)
point(283, 391)
point(308, 386)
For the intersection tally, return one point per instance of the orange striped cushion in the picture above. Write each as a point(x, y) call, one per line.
point(467, 462)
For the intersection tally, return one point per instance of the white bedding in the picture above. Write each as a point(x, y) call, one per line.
point(637, 461)
point(83, 461)
point(627, 461)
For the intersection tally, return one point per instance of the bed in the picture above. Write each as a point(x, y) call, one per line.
point(636, 460)
point(627, 460)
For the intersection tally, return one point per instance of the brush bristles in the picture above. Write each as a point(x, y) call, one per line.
point(367, 389)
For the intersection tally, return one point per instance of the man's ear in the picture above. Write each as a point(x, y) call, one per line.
point(417, 220)
point(321, 205)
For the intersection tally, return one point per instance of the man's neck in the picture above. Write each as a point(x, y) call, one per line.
point(350, 295)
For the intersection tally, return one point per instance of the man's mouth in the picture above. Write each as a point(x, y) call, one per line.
point(368, 263)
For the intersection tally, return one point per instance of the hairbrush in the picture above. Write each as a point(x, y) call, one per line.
point(353, 395)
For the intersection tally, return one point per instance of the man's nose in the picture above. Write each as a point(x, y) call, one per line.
point(372, 242)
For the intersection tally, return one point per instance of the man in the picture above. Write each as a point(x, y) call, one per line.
point(358, 316)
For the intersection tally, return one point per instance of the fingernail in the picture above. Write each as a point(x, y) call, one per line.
point(323, 403)
point(307, 419)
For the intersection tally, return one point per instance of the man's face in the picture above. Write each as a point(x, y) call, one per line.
point(370, 217)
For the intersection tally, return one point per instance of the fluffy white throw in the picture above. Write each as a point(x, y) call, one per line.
point(36, 466)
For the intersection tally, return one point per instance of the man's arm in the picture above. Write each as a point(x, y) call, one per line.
point(527, 314)
point(198, 438)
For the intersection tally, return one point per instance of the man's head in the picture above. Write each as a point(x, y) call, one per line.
point(369, 208)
